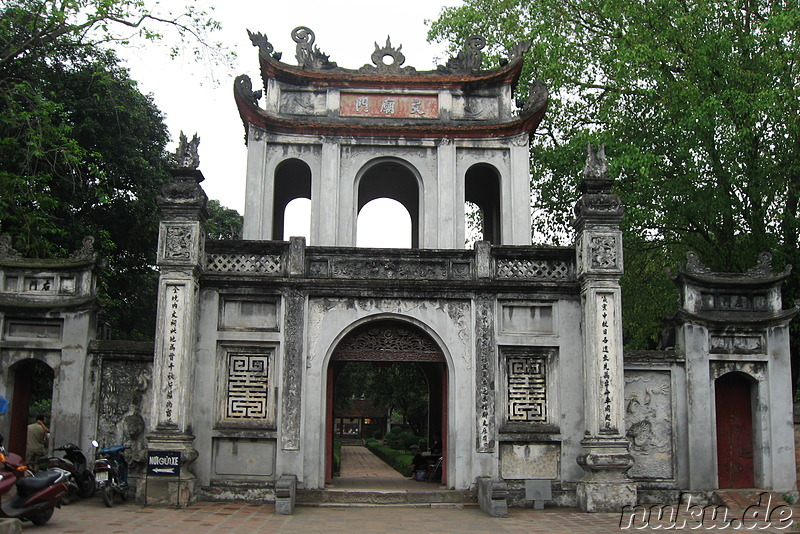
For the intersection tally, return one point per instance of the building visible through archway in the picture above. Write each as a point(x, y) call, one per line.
point(387, 342)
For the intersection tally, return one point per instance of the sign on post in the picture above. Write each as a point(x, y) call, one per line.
point(163, 463)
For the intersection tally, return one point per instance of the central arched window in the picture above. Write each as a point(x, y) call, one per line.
point(382, 183)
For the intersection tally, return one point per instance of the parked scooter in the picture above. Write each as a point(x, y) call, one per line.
point(111, 473)
point(37, 495)
point(81, 479)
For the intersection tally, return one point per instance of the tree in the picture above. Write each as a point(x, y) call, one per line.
point(82, 151)
point(223, 223)
point(696, 103)
point(400, 386)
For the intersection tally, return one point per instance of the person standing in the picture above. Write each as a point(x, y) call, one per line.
point(38, 439)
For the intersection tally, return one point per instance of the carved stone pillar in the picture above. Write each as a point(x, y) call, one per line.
point(180, 252)
point(605, 486)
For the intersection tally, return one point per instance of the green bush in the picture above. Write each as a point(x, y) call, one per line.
point(400, 460)
point(401, 439)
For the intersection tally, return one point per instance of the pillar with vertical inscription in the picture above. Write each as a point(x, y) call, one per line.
point(180, 251)
point(605, 486)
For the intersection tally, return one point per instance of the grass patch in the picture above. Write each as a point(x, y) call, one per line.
point(337, 456)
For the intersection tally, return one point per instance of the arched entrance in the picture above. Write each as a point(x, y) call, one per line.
point(32, 392)
point(389, 341)
point(733, 396)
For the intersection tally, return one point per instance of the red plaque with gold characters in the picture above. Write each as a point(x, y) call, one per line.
point(393, 106)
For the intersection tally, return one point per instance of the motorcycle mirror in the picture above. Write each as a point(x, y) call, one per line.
point(95, 444)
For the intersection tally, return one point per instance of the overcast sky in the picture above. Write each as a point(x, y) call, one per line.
point(185, 90)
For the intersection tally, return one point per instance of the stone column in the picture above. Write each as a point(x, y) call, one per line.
point(180, 252)
point(605, 486)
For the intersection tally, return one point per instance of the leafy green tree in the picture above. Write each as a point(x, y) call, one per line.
point(82, 150)
point(223, 223)
point(401, 387)
point(696, 103)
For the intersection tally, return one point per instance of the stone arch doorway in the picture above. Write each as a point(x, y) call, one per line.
point(32, 380)
point(389, 341)
point(734, 407)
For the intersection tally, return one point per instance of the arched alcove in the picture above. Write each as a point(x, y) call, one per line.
point(292, 180)
point(392, 180)
point(482, 188)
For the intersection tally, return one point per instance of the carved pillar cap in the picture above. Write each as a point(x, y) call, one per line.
point(184, 198)
point(597, 204)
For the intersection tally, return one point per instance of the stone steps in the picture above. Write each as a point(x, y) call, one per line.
point(395, 498)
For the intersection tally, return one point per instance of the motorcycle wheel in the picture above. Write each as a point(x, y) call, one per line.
point(41, 517)
point(107, 493)
point(86, 484)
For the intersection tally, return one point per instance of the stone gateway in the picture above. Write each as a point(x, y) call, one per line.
point(521, 346)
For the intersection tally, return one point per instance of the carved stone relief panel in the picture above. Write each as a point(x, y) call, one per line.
point(124, 401)
point(178, 245)
point(527, 375)
point(648, 423)
point(303, 103)
point(603, 251)
point(245, 378)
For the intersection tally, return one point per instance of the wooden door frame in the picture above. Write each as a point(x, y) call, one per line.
point(751, 414)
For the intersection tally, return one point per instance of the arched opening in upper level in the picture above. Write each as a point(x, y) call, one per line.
point(482, 188)
point(292, 180)
point(391, 180)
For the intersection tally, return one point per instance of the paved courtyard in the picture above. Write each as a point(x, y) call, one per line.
point(362, 469)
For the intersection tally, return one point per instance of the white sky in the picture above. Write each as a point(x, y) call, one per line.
point(197, 97)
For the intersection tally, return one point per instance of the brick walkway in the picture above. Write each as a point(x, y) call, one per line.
point(363, 470)
point(90, 516)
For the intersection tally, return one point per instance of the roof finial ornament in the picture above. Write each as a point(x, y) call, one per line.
point(308, 55)
point(469, 59)
point(596, 167)
point(265, 48)
point(6, 250)
point(186, 156)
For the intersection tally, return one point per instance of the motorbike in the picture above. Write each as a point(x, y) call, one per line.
point(37, 495)
point(111, 473)
point(81, 479)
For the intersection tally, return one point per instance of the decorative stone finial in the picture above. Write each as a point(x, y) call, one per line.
point(694, 265)
point(379, 59)
point(468, 60)
point(86, 252)
point(596, 167)
point(308, 55)
point(186, 156)
point(6, 251)
point(265, 48)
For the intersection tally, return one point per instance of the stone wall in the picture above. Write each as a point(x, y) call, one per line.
point(122, 371)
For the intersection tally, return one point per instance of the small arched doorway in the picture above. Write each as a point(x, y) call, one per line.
point(734, 407)
point(386, 342)
point(32, 396)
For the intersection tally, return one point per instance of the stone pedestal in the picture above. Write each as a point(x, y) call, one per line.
point(605, 487)
point(176, 491)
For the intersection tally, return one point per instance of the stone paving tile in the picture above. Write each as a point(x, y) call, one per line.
point(91, 516)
